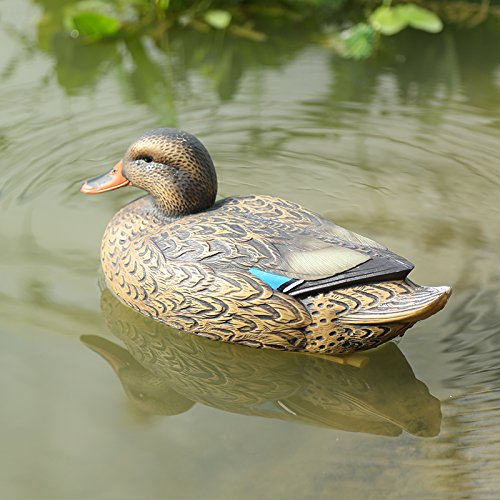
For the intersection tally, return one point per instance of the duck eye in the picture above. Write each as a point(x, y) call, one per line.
point(147, 159)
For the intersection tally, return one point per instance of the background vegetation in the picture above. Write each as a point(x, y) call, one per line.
point(354, 29)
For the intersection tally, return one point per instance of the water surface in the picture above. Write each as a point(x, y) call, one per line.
point(403, 148)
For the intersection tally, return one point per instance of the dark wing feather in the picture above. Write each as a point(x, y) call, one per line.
point(382, 267)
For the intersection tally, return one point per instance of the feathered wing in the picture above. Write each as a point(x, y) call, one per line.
point(315, 253)
point(319, 265)
point(311, 253)
point(309, 259)
point(375, 268)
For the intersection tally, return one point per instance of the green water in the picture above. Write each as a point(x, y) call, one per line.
point(100, 403)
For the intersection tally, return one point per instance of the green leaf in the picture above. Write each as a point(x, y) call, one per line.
point(420, 18)
point(94, 25)
point(387, 20)
point(359, 42)
point(218, 19)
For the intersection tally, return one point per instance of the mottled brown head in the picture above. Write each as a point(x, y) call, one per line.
point(170, 164)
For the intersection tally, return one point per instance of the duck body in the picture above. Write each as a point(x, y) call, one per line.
point(254, 270)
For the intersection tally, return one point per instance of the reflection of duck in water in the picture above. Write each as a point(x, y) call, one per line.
point(165, 372)
point(255, 270)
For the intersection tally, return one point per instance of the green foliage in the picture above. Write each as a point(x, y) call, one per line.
point(359, 42)
point(94, 25)
point(92, 19)
point(219, 19)
point(391, 20)
point(370, 20)
point(421, 19)
point(162, 4)
point(387, 20)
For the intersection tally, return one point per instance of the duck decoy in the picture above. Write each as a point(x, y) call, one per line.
point(254, 270)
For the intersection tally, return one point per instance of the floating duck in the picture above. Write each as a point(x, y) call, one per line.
point(253, 270)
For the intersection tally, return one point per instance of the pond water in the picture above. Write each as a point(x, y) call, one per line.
point(100, 403)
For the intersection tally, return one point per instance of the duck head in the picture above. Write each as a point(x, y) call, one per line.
point(173, 166)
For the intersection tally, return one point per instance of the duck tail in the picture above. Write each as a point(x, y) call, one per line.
point(393, 301)
point(364, 316)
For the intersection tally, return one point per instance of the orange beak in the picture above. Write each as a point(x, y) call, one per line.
point(107, 182)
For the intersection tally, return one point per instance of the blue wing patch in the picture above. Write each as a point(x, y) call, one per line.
point(273, 280)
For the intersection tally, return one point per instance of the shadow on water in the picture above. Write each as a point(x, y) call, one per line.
point(165, 372)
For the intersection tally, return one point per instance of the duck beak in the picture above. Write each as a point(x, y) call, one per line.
point(114, 179)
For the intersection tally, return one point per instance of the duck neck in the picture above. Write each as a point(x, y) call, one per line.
point(165, 211)
point(175, 204)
